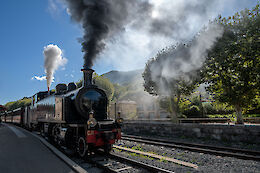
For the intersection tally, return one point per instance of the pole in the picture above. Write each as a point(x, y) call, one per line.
point(115, 110)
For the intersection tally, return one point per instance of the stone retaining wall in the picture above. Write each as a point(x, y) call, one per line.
point(234, 133)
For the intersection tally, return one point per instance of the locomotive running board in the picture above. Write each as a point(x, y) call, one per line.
point(76, 125)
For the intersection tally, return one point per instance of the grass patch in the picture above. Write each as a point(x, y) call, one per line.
point(180, 154)
point(232, 115)
point(163, 160)
point(139, 148)
point(193, 161)
point(139, 155)
point(221, 116)
point(251, 115)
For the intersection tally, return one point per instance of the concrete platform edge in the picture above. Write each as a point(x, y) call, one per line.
point(62, 156)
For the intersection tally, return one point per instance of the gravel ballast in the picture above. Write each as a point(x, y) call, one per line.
point(206, 162)
point(239, 145)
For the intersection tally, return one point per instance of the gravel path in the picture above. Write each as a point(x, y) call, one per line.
point(206, 162)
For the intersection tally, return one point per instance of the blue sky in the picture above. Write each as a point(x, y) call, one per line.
point(29, 25)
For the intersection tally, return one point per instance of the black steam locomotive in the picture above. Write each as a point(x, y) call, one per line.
point(73, 118)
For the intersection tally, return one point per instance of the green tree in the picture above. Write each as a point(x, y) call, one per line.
point(103, 83)
point(19, 103)
point(255, 106)
point(232, 69)
point(176, 87)
point(119, 92)
point(106, 85)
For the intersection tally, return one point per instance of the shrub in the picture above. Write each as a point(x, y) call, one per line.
point(217, 108)
point(209, 109)
point(195, 100)
point(193, 112)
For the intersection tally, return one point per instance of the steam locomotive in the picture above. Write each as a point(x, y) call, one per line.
point(75, 118)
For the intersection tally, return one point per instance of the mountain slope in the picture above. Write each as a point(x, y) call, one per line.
point(123, 77)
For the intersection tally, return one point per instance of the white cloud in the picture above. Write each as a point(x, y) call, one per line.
point(68, 11)
point(55, 7)
point(41, 78)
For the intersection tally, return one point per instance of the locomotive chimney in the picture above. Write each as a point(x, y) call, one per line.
point(87, 74)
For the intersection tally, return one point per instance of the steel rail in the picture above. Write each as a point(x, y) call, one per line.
point(99, 165)
point(140, 164)
point(223, 151)
point(125, 160)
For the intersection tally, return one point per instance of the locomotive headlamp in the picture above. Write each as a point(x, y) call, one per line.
point(119, 120)
point(92, 122)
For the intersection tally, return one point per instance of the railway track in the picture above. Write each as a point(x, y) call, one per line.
point(147, 167)
point(109, 164)
point(222, 151)
point(113, 163)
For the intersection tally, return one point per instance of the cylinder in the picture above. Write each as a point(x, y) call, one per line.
point(87, 74)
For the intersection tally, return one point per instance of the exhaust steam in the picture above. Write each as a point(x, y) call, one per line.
point(52, 61)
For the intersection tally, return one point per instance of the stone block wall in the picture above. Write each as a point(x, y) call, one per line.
point(233, 133)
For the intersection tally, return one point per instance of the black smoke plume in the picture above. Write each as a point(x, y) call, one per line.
point(101, 20)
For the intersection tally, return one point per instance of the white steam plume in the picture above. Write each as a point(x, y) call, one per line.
point(52, 61)
point(117, 31)
point(169, 22)
point(180, 62)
